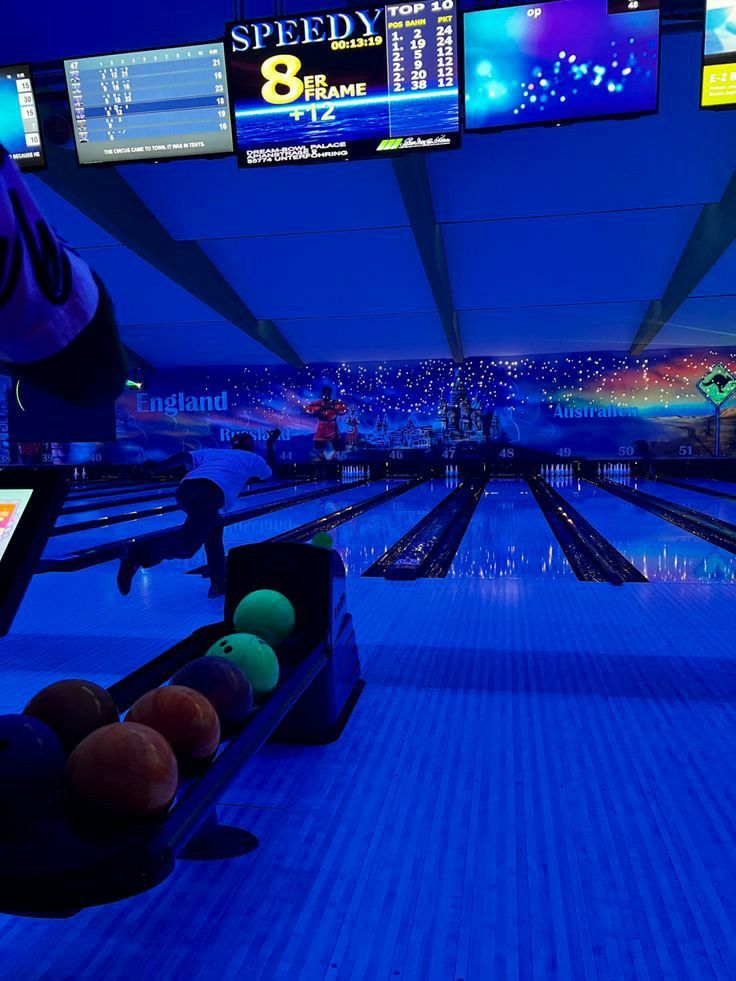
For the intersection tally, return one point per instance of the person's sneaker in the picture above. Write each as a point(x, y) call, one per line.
point(126, 573)
point(216, 589)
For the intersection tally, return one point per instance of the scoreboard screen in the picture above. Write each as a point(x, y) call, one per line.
point(20, 132)
point(719, 55)
point(150, 105)
point(548, 63)
point(348, 85)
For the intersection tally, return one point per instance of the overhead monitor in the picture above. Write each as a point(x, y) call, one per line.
point(561, 61)
point(719, 55)
point(20, 132)
point(348, 85)
point(150, 105)
point(29, 505)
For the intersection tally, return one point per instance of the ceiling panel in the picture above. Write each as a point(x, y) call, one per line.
point(215, 199)
point(195, 344)
point(680, 156)
point(574, 259)
point(550, 330)
point(141, 293)
point(367, 338)
point(698, 322)
point(329, 275)
point(76, 228)
point(721, 278)
point(53, 31)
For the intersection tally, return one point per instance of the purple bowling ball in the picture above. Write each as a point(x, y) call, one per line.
point(224, 684)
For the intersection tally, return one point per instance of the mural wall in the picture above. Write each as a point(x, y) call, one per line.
point(575, 406)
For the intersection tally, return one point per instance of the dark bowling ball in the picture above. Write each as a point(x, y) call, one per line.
point(31, 768)
point(73, 709)
point(224, 684)
point(184, 717)
point(125, 770)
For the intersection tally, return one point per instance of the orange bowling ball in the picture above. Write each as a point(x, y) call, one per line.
point(123, 769)
point(184, 717)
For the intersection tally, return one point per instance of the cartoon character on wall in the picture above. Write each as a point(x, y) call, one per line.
point(327, 438)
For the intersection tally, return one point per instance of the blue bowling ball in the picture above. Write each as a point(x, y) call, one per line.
point(32, 763)
point(224, 684)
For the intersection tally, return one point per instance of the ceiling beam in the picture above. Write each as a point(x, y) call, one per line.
point(413, 180)
point(713, 233)
point(105, 196)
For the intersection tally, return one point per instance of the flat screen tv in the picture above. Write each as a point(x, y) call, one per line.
point(20, 131)
point(560, 62)
point(150, 105)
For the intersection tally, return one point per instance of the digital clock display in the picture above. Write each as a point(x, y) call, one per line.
point(346, 85)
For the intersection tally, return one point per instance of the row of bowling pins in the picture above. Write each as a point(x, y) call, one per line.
point(557, 470)
point(614, 469)
point(355, 472)
point(80, 475)
point(451, 470)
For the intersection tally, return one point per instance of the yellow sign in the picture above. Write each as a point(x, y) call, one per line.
point(719, 85)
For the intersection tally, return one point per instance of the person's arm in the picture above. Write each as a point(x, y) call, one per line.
point(57, 322)
point(171, 463)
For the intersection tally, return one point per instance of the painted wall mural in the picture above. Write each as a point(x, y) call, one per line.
point(574, 406)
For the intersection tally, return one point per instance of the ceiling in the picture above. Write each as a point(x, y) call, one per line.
point(556, 240)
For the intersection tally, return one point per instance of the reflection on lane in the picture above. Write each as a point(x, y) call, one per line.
point(362, 541)
point(509, 538)
point(661, 550)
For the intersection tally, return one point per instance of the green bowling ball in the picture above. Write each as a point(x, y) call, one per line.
point(267, 614)
point(322, 540)
point(253, 656)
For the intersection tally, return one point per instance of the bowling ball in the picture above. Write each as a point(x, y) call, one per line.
point(267, 614)
point(322, 540)
point(73, 709)
point(185, 718)
point(31, 767)
point(124, 769)
point(223, 683)
point(253, 656)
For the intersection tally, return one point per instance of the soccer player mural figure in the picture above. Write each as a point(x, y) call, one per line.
point(353, 437)
point(327, 438)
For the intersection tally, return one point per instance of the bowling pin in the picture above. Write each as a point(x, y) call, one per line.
point(76, 473)
point(84, 473)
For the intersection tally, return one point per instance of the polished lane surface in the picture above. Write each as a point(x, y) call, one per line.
point(509, 538)
point(659, 549)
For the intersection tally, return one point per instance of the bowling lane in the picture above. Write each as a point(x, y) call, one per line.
point(102, 510)
point(361, 541)
point(282, 521)
point(662, 551)
point(720, 486)
point(73, 542)
point(509, 538)
point(714, 507)
point(111, 500)
point(81, 493)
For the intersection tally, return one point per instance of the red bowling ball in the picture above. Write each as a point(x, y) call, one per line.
point(124, 769)
point(73, 709)
point(184, 717)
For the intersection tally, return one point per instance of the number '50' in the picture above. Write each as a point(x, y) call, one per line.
point(280, 72)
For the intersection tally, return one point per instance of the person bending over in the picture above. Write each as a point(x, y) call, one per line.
point(57, 323)
point(213, 483)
